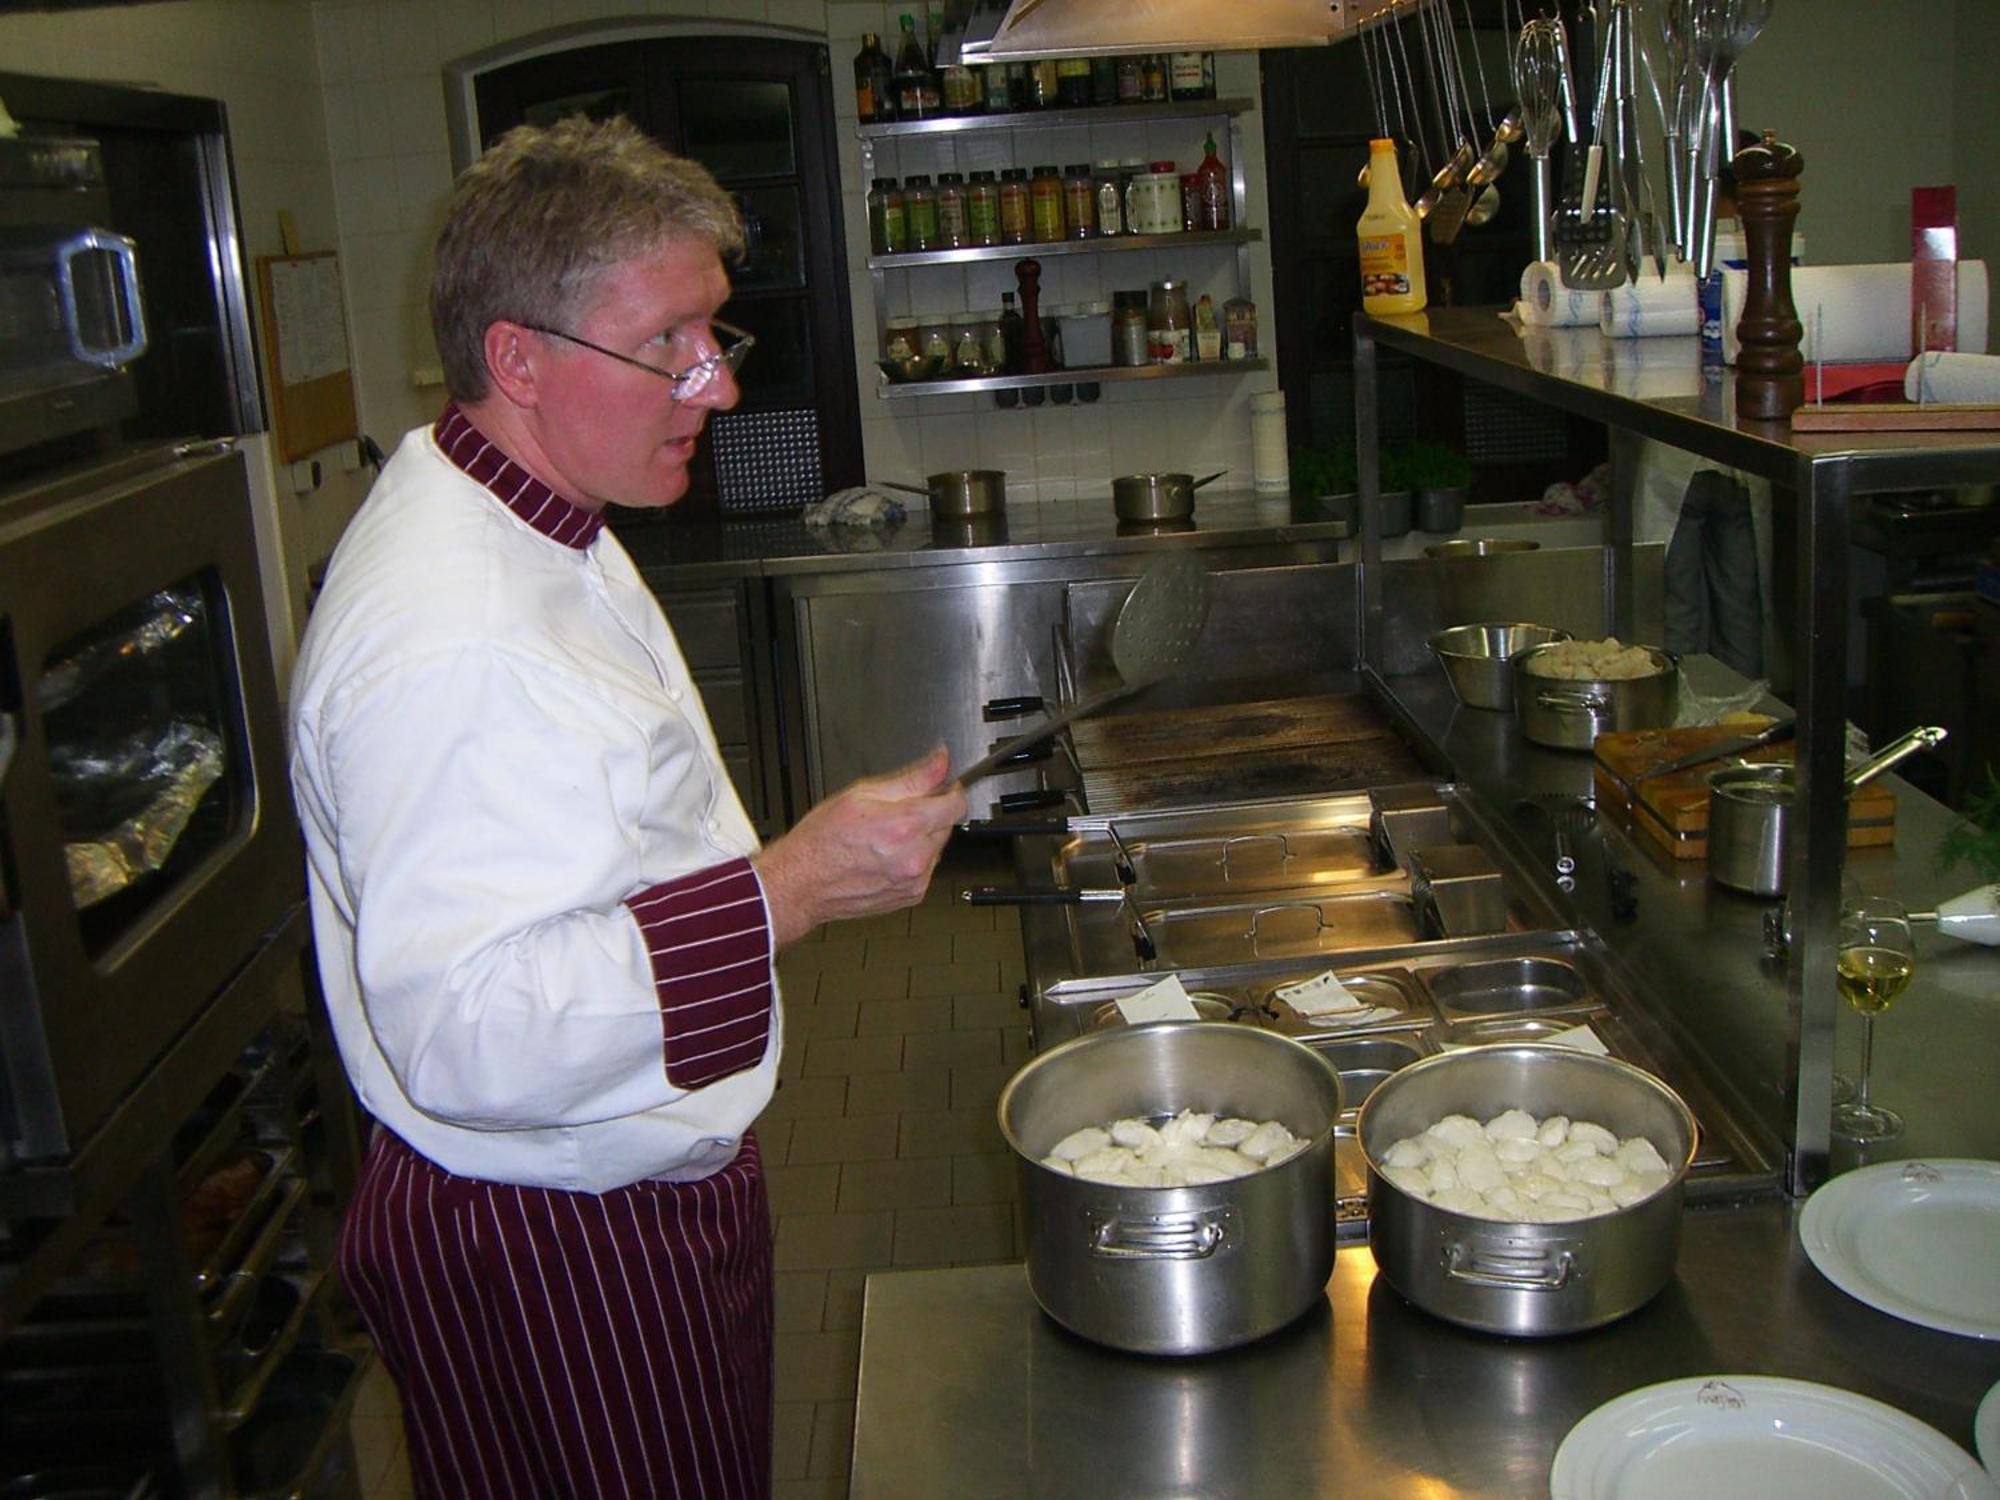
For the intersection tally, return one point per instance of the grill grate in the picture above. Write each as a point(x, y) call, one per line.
point(767, 461)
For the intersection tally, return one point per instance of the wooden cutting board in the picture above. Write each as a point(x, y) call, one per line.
point(1224, 729)
point(1671, 811)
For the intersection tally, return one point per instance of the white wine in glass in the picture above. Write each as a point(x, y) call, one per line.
point(1877, 960)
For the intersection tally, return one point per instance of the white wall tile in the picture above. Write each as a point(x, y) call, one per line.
point(408, 34)
point(423, 182)
point(806, 15)
point(416, 114)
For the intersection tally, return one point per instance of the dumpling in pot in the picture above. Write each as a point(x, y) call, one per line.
point(1081, 1143)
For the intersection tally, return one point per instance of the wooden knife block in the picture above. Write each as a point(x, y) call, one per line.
point(1671, 812)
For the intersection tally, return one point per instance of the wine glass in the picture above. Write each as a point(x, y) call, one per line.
point(1877, 959)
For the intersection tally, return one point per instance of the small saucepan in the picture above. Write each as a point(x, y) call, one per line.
point(959, 494)
point(1751, 810)
point(1157, 497)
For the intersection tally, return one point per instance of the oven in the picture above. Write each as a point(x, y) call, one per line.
point(71, 319)
point(147, 843)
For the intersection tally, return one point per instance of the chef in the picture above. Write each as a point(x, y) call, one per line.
point(546, 931)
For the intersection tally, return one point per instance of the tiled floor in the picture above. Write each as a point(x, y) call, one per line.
point(882, 1146)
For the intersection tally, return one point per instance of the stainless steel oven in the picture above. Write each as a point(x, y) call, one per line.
point(71, 318)
point(146, 835)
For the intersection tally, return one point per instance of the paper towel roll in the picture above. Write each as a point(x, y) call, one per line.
point(1953, 377)
point(1860, 312)
point(1547, 303)
point(1270, 459)
point(1652, 308)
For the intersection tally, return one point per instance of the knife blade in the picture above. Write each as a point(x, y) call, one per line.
point(1771, 734)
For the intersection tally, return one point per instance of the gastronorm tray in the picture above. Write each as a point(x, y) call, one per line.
point(1510, 986)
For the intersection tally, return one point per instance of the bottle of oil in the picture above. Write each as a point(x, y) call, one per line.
point(874, 94)
point(917, 96)
point(1392, 241)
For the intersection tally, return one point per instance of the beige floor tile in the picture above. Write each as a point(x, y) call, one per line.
point(999, 1011)
point(846, 1056)
point(951, 1049)
point(803, 1190)
point(377, 1441)
point(843, 952)
point(905, 1183)
point(952, 1132)
point(869, 1138)
point(818, 1366)
point(932, 1013)
point(791, 1446)
point(825, 1242)
point(801, 1301)
point(806, 1096)
point(907, 951)
point(985, 946)
point(830, 1487)
point(865, 984)
point(821, 1019)
point(891, 924)
point(954, 978)
point(898, 1093)
point(986, 1177)
point(978, 1087)
point(377, 1396)
point(774, 1136)
point(832, 1437)
point(972, 1234)
point(959, 917)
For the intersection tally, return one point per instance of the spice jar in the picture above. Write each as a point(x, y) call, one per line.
point(1079, 201)
point(1104, 80)
point(1153, 78)
point(1168, 323)
point(1131, 344)
point(1014, 220)
point(1239, 329)
point(1110, 198)
point(1044, 88)
point(1190, 200)
point(960, 89)
point(1073, 82)
point(1045, 203)
point(995, 96)
point(902, 348)
point(969, 359)
point(920, 211)
point(934, 346)
point(888, 231)
point(982, 209)
point(951, 211)
point(1131, 80)
point(1153, 201)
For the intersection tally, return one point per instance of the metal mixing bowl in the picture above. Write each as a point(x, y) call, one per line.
point(1478, 659)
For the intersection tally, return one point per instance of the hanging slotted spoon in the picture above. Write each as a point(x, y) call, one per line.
point(1156, 628)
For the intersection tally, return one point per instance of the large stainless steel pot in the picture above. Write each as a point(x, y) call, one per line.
point(1568, 713)
point(1479, 659)
point(1157, 497)
point(960, 494)
point(1518, 1278)
point(1176, 1270)
point(1750, 814)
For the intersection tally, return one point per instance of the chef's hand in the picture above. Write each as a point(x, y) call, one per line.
point(868, 848)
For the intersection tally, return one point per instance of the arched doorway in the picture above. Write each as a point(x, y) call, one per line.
point(755, 110)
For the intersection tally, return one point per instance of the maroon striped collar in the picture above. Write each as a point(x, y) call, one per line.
point(526, 496)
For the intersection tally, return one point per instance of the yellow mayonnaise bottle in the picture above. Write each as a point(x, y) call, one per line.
point(1392, 239)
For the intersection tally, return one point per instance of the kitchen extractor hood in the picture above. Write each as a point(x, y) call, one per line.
point(1071, 28)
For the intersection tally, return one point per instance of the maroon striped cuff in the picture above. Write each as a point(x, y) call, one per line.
point(710, 945)
point(517, 489)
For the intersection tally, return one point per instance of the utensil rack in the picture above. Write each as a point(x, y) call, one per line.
point(1815, 477)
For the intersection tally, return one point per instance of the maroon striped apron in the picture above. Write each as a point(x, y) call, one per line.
point(569, 1346)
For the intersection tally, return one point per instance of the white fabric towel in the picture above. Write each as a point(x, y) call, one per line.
point(860, 506)
point(1973, 378)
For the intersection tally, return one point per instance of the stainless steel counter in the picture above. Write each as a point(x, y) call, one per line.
point(968, 1390)
point(702, 552)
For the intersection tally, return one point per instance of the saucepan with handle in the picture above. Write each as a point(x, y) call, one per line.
point(959, 494)
point(1751, 810)
point(1157, 497)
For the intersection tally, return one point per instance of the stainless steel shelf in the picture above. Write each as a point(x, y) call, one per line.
point(1059, 119)
point(1108, 244)
point(1098, 375)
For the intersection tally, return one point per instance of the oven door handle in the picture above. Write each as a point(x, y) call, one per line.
point(124, 258)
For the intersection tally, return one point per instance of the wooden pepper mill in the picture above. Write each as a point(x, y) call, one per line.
point(1034, 348)
point(1770, 379)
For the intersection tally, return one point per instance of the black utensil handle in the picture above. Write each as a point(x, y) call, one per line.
point(1011, 828)
point(996, 709)
point(1034, 801)
point(993, 895)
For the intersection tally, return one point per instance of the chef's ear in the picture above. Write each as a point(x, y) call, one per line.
point(515, 362)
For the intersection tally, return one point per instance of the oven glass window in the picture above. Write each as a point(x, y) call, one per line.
point(149, 765)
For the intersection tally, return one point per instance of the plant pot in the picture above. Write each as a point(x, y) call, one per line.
point(1398, 511)
point(1440, 510)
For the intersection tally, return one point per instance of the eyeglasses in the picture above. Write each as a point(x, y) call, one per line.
point(690, 382)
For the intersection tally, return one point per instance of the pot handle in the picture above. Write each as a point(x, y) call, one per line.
point(1514, 1272)
point(1561, 702)
point(1194, 1236)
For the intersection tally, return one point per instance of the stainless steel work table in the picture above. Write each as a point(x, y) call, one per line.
point(967, 1390)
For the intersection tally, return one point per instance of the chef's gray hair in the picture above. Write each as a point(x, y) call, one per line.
point(534, 223)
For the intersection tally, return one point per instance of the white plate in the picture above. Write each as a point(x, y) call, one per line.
point(1986, 1431)
point(1914, 1239)
point(1751, 1437)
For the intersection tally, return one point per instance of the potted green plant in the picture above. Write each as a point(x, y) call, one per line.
point(1440, 476)
point(1398, 512)
point(1976, 840)
point(1326, 474)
